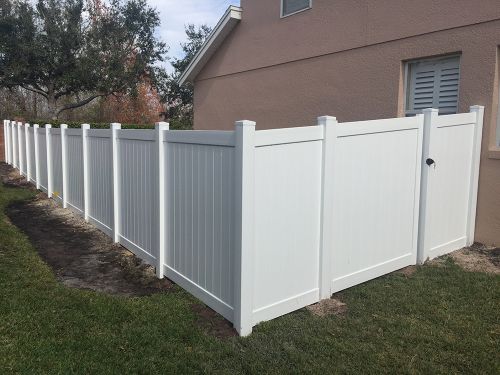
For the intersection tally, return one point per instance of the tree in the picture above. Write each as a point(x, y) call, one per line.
point(143, 107)
point(71, 52)
point(179, 99)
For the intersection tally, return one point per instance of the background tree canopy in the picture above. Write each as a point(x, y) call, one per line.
point(179, 99)
point(71, 52)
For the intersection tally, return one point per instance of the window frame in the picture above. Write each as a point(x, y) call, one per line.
point(407, 79)
point(282, 15)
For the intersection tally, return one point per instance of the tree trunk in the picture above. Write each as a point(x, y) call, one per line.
point(52, 101)
point(52, 104)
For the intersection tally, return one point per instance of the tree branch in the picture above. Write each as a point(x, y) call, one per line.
point(63, 93)
point(79, 104)
point(37, 91)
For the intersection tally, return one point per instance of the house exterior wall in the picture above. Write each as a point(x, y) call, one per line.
point(346, 59)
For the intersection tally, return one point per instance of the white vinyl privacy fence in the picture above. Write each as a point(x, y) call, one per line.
point(260, 223)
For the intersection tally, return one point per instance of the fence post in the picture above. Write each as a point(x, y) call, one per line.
point(160, 127)
point(19, 147)
point(116, 198)
point(27, 152)
point(11, 146)
point(6, 138)
point(37, 156)
point(245, 226)
point(329, 125)
point(85, 128)
point(48, 142)
point(474, 182)
point(14, 144)
point(64, 162)
point(430, 114)
point(7, 141)
point(6, 147)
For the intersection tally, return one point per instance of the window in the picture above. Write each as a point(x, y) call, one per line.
point(289, 7)
point(433, 83)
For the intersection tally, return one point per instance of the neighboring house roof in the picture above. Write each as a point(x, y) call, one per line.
point(226, 24)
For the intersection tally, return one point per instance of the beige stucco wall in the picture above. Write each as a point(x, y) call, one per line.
point(347, 61)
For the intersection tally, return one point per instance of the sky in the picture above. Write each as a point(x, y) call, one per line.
point(174, 14)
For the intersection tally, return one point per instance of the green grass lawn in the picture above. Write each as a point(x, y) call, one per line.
point(439, 320)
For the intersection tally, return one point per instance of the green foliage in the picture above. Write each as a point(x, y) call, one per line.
point(66, 49)
point(440, 320)
point(179, 99)
point(175, 124)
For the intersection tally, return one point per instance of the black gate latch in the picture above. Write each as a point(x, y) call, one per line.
point(429, 162)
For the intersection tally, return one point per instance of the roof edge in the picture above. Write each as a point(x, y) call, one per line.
point(226, 24)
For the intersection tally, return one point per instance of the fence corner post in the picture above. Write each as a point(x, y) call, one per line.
point(85, 162)
point(474, 182)
point(245, 226)
point(160, 128)
point(48, 141)
point(37, 157)
point(116, 198)
point(27, 152)
point(329, 125)
point(64, 163)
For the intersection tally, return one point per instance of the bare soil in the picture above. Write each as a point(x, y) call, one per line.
point(407, 271)
point(328, 307)
point(478, 258)
point(83, 257)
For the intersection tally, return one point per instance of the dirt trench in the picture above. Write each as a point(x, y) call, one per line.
point(80, 255)
point(83, 257)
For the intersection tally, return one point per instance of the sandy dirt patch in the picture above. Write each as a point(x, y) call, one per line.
point(85, 258)
point(328, 307)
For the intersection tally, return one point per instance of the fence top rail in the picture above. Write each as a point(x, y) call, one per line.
point(55, 131)
point(289, 135)
point(138, 135)
point(455, 120)
point(74, 132)
point(347, 129)
point(99, 133)
point(31, 130)
point(201, 137)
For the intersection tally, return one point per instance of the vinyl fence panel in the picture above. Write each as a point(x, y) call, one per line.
point(21, 148)
point(450, 182)
point(137, 193)
point(375, 192)
point(56, 164)
point(74, 169)
point(200, 217)
point(287, 220)
point(100, 179)
point(42, 160)
point(32, 155)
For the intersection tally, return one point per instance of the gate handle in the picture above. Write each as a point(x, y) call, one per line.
point(429, 162)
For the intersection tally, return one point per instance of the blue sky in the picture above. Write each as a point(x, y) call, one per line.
point(175, 14)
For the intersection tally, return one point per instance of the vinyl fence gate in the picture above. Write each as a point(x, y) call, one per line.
point(257, 224)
